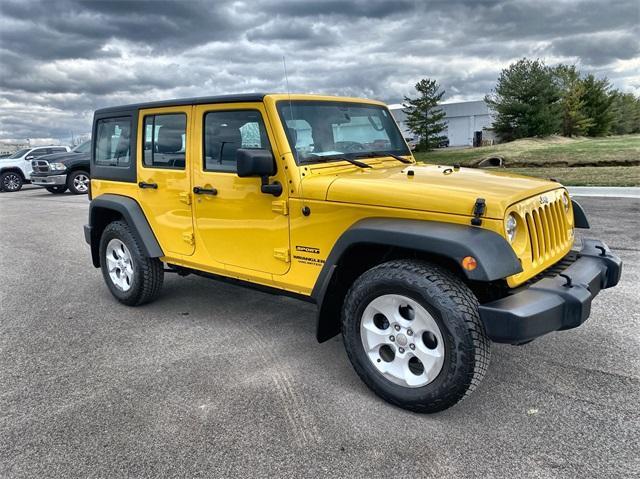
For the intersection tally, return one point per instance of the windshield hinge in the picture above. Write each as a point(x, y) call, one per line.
point(282, 254)
point(478, 210)
point(281, 207)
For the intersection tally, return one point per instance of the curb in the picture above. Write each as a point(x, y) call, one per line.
point(605, 191)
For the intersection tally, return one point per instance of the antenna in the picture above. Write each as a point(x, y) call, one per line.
point(305, 210)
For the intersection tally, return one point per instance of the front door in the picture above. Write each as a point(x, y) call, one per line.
point(237, 224)
point(164, 158)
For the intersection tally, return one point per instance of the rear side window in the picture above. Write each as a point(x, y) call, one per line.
point(226, 131)
point(40, 152)
point(113, 142)
point(165, 141)
point(58, 150)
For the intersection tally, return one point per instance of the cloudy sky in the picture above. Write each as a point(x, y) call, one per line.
point(61, 59)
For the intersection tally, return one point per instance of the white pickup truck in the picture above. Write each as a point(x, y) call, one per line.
point(16, 169)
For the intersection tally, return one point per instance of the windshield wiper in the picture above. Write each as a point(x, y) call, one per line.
point(341, 158)
point(382, 154)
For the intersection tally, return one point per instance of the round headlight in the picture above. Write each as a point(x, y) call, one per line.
point(565, 202)
point(511, 226)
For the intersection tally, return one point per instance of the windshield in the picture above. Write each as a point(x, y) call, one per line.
point(19, 153)
point(333, 130)
point(83, 147)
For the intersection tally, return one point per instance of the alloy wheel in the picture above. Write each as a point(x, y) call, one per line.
point(11, 182)
point(402, 340)
point(81, 183)
point(119, 264)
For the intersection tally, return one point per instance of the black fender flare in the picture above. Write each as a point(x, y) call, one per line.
point(494, 256)
point(132, 213)
point(579, 216)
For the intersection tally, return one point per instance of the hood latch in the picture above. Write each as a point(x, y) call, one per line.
point(478, 210)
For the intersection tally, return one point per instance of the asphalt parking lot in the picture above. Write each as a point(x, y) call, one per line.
point(213, 380)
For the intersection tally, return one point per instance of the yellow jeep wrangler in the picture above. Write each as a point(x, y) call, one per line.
point(418, 266)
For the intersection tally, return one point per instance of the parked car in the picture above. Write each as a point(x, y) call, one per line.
point(444, 143)
point(16, 169)
point(412, 143)
point(418, 267)
point(64, 170)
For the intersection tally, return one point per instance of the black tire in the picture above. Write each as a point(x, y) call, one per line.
point(56, 190)
point(11, 181)
point(75, 186)
point(148, 273)
point(455, 310)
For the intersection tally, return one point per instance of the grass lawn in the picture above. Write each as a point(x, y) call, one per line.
point(587, 175)
point(608, 161)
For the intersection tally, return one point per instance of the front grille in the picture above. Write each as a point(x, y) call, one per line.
point(556, 269)
point(549, 231)
point(40, 166)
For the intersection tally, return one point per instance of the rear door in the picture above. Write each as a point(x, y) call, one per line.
point(164, 181)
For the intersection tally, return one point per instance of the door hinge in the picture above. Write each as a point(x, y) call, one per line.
point(188, 237)
point(281, 207)
point(185, 197)
point(282, 254)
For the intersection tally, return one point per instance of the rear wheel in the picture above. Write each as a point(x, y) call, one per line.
point(78, 182)
point(11, 181)
point(413, 334)
point(132, 278)
point(56, 190)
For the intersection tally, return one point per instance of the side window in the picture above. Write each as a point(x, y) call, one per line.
point(113, 142)
point(165, 141)
point(39, 152)
point(227, 131)
point(58, 150)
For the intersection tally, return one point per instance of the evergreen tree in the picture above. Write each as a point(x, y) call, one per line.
point(598, 105)
point(424, 118)
point(526, 101)
point(572, 90)
point(626, 113)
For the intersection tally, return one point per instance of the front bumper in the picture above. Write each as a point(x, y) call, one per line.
point(556, 303)
point(49, 180)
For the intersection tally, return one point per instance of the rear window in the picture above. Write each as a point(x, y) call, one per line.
point(113, 142)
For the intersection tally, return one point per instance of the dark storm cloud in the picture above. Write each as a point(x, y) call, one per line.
point(61, 60)
point(358, 8)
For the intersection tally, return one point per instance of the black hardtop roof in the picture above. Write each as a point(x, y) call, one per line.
point(238, 98)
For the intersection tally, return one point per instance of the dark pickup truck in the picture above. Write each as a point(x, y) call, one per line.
point(62, 171)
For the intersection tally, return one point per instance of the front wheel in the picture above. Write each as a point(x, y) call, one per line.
point(78, 182)
point(132, 277)
point(413, 334)
point(10, 181)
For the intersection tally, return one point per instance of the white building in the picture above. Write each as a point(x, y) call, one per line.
point(463, 120)
point(9, 148)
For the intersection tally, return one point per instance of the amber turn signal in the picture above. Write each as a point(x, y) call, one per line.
point(469, 263)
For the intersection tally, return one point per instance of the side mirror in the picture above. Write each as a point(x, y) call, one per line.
point(255, 163)
point(258, 163)
point(30, 157)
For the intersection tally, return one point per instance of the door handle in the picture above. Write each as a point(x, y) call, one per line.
point(143, 184)
point(204, 191)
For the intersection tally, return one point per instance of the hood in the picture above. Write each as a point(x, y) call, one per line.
point(431, 188)
point(66, 156)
